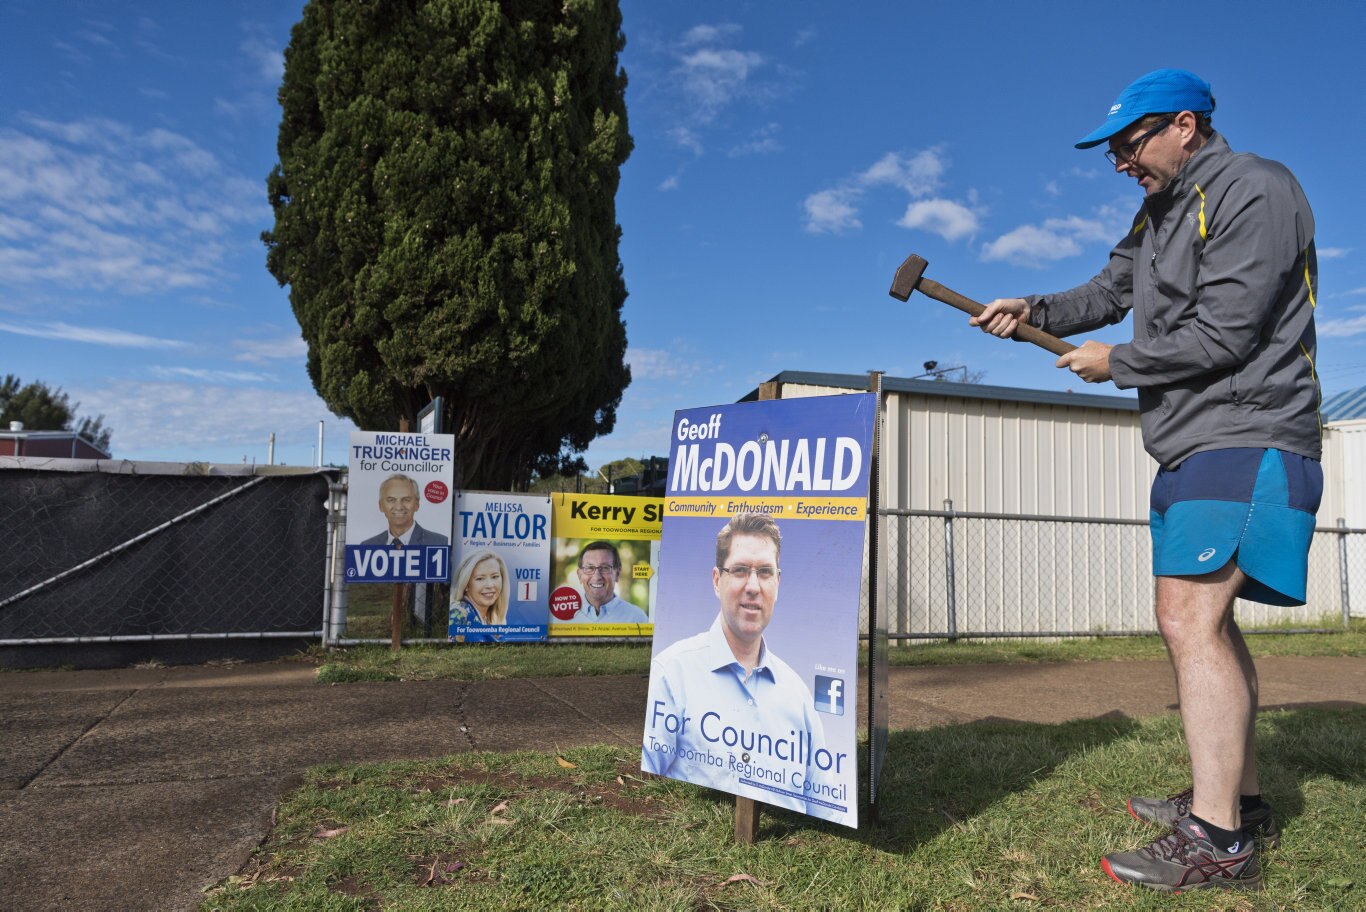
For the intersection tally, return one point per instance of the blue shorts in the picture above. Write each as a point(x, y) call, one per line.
point(1253, 505)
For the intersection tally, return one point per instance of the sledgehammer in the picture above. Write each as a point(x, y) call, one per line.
point(910, 277)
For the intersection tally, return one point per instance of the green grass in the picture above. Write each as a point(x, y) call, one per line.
point(477, 662)
point(369, 607)
point(980, 816)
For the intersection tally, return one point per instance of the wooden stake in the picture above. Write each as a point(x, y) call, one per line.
point(746, 820)
point(400, 608)
point(747, 809)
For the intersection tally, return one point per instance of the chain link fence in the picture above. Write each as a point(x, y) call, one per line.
point(143, 552)
point(950, 575)
point(131, 552)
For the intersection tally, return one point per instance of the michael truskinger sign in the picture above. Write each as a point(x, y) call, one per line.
point(398, 516)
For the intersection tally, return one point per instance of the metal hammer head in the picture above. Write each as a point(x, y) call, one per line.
point(907, 277)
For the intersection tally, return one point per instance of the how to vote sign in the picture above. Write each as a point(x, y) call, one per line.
point(754, 675)
point(603, 569)
point(399, 507)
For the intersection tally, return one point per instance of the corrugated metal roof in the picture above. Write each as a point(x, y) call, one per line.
point(1347, 405)
point(959, 390)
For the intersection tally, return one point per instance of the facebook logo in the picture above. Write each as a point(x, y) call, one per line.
point(830, 695)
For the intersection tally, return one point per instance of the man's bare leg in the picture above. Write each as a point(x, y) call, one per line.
point(1250, 784)
point(1216, 684)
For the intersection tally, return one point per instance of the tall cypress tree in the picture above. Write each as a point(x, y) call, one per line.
point(445, 219)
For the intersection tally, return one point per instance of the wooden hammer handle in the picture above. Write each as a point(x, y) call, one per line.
point(972, 308)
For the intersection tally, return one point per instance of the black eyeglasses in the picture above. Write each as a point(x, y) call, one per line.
point(1129, 151)
point(740, 573)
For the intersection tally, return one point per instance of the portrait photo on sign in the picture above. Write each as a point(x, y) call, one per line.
point(602, 581)
point(750, 688)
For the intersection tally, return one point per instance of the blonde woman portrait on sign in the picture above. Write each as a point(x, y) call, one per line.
point(479, 597)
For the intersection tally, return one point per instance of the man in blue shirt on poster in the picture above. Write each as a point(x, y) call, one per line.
point(724, 711)
point(599, 570)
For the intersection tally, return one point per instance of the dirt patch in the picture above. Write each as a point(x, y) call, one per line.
point(351, 885)
point(1093, 802)
point(448, 869)
point(617, 794)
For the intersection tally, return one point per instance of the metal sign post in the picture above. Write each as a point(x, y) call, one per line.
point(877, 621)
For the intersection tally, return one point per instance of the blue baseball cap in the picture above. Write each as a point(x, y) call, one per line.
point(1158, 92)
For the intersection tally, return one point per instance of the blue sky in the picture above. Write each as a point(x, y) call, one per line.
point(787, 157)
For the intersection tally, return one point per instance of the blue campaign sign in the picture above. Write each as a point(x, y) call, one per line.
point(500, 590)
point(754, 674)
point(387, 564)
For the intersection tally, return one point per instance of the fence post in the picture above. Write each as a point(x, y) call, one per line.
point(948, 571)
point(1342, 573)
point(328, 561)
point(398, 615)
point(337, 621)
point(747, 810)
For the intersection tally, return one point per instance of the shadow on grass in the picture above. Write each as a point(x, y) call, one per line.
point(1304, 743)
point(936, 778)
point(940, 778)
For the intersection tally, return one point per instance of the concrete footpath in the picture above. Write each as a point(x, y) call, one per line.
point(134, 788)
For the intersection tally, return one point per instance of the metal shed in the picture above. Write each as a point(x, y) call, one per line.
point(1056, 485)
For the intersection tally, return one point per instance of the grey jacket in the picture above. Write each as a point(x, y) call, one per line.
point(1220, 271)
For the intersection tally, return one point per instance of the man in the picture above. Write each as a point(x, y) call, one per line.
point(599, 570)
point(723, 710)
point(1219, 270)
point(399, 501)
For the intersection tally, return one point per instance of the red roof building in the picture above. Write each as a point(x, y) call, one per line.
point(52, 444)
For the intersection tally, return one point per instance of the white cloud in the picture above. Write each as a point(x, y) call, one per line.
point(95, 38)
point(713, 77)
point(709, 34)
point(921, 175)
point(93, 335)
point(761, 142)
point(1055, 239)
point(188, 421)
point(71, 52)
point(106, 207)
point(13, 228)
point(1030, 244)
point(658, 364)
point(1333, 253)
point(281, 348)
point(267, 60)
point(212, 376)
point(1352, 326)
point(639, 434)
point(832, 211)
point(945, 218)
point(687, 138)
point(709, 75)
point(804, 37)
point(669, 183)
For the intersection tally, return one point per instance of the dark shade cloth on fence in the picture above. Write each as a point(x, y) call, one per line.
point(163, 555)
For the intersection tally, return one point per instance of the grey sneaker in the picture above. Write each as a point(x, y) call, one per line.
point(1258, 823)
point(1185, 859)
